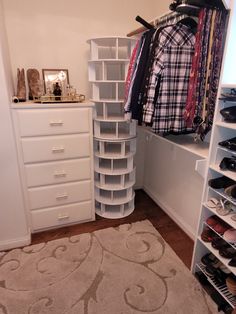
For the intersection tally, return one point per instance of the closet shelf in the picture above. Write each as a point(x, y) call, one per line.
point(227, 125)
point(220, 236)
point(113, 214)
point(116, 201)
point(222, 289)
point(107, 81)
point(185, 142)
point(111, 138)
point(226, 150)
point(115, 187)
point(113, 172)
point(221, 193)
point(226, 218)
point(216, 253)
point(109, 60)
point(110, 119)
point(227, 173)
point(114, 155)
point(103, 100)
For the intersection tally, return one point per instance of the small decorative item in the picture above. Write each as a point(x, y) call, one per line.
point(33, 79)
point(21, 87)
point(57, 91)
point(53, 76)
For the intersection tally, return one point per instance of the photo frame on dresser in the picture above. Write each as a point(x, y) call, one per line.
point(53, 76)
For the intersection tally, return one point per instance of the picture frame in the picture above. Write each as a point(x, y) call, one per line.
point(53, 76)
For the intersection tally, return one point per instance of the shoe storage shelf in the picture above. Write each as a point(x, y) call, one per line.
point(114, 137)
point(219, 203)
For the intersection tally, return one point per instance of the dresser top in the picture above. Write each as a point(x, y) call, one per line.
point(33, 105)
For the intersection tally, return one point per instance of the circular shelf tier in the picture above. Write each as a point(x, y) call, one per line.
point(114, 187)
point(107, 201)
point(114, 155)
point(114, 211)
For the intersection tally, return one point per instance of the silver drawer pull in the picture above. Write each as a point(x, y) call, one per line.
point(56, 123)
point(59, 149)
point(59, 174)
point(62, 217)
point(62, 196)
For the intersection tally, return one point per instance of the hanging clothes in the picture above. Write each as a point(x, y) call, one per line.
point(176, 74)
point(131, 104)
point(205, 72)
point(173, 59)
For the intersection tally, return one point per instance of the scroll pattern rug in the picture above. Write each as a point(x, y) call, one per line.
point(124, 270)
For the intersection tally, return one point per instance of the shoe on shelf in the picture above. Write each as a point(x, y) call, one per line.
point(207, 235)
point(227, 252)
point(231, 191)
point(229, 144)
point(220, 182)
point(221, 227)
point(230, 235)
point(228, 163)
point(219, 243)
point(213, 220)
point(210, 259)
point(229, 114)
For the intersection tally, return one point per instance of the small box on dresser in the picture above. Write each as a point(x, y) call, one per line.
point(55, 153)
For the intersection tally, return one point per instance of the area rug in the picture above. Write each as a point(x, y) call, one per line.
point(125, 270)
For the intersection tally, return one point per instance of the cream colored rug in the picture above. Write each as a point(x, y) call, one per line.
point(124, 270)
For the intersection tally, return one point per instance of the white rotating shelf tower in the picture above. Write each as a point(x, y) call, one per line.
point(114, 137)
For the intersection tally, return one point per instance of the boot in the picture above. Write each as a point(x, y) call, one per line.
point(21, 87)
point(33, 79)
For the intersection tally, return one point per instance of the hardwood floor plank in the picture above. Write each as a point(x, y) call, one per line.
point(145, 208)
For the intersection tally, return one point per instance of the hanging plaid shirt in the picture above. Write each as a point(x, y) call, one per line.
point(173, 59)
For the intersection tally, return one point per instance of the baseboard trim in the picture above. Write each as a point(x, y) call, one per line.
point(168, 210)
point(15, 243)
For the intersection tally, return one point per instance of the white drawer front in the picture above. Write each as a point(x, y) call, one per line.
point(58, 172)
point(62, 215)
point(53, 121)
point(36, 149)
point(60, 194)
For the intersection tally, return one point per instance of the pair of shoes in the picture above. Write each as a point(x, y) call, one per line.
point(220, 182)
point(231, 191)
point(207, 235)
point(231, 283)
point(230, 96)
point(230, 235)
point(229, 144)
point(222, 206)
point(228, 163)
point(227, 252)
point(217, 224)
point(210, 259)
point(219, 243)
point(229, 114)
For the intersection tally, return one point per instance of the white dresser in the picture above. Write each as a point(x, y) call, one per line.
point(55, 152)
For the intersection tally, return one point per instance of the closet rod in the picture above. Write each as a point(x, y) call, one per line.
point(168, 15)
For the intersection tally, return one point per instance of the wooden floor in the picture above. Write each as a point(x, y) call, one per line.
point(145, 208)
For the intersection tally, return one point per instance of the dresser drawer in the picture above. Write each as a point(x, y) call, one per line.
point(60, 194)
point(58, 172)
point(36, 149)
point(62, 215)
point(53, 121)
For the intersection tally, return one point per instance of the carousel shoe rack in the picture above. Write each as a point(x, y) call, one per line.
point(114, 137)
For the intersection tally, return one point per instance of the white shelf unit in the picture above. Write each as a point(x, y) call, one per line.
point(221, 131)
point(114, 137)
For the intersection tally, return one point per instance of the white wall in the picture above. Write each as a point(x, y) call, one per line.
point(53, 33)
point(229, 72)
point(13, 225)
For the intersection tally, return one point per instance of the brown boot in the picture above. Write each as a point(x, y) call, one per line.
point(33, 83)
point(21, 87)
